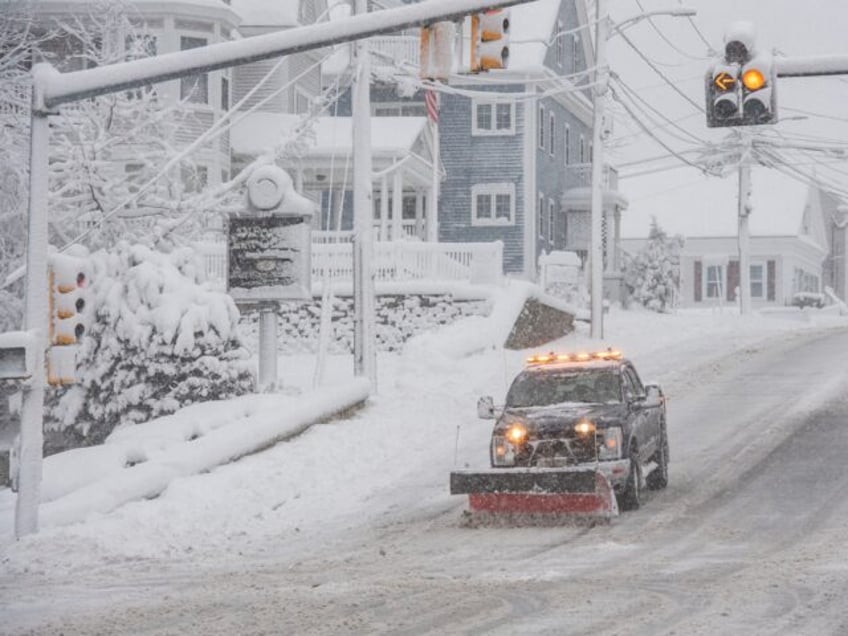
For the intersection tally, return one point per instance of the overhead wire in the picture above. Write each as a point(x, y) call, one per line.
point(668, 41)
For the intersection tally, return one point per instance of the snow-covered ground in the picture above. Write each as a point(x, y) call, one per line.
point(388, 460)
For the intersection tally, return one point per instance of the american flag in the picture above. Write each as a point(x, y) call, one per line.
point(431, 100)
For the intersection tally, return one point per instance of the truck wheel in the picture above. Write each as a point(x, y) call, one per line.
point(631, 497)
point(658, 478)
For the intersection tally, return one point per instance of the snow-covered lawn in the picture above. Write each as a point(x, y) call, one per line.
point(391, 457)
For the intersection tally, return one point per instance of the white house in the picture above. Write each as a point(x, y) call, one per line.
point(788, 241)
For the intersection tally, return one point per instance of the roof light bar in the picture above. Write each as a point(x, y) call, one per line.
point(580, 356)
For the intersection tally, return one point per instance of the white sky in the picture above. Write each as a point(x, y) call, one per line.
point(796, 29)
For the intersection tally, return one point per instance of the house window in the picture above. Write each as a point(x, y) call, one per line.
point(133, 176)
point(493, 204)
point(551, 208)
point(194, 88)
point(492, 118)
point(567, 145)
point(225, 94)
point(560, 45)
point(551, 133)
point(713, 281)
point(195, 178)
point(540, 216)
point(542, 124)
point(758, 283)
point(582, 149)
point(575, 45)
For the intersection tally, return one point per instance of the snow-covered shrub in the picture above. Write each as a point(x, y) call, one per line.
point(653, 276)
point(158, 340)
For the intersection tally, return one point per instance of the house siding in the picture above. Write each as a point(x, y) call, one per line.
point(473, 159)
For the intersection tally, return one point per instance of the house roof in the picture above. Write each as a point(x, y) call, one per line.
point(709, 208)
point(264, 13)
point(258, 132)
point(531, 26)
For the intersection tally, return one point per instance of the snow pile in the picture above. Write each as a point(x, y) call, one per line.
point(158, 340)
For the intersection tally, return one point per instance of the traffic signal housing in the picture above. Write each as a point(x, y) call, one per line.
point(741, 87)
point(759, 105)
point(69, 279)
point(490, 40)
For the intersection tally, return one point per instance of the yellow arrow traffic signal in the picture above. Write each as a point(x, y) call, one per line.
point(724, 81)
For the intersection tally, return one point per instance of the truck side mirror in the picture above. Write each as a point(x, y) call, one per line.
point(486, 408)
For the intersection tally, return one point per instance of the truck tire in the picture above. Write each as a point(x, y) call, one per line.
point(631, 497)
point(658, 479)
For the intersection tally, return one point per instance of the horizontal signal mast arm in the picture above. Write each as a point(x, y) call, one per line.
point(811, 66)
point(58, 88)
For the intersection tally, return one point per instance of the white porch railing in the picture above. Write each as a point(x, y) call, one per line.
point(398, 49)
point(394, 261)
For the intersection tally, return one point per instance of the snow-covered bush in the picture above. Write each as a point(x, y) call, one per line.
point(653, 276)
point(158, 340)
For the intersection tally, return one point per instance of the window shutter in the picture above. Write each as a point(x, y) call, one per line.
point(732, 279)
point(770, 280)
point(698, 283)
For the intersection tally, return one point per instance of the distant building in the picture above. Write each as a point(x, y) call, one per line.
point(788, 242)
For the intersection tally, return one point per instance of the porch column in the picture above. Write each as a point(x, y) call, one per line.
point(384, 208)
point(397, 204)
point(419, 214)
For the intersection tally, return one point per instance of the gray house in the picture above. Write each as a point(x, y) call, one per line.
point(516, 145)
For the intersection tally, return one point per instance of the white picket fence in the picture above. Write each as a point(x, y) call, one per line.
point(394, 261)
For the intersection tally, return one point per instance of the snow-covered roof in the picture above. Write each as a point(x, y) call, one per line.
point(278, 13)
point(709, 208)
point(531, 25)
point(259, 132)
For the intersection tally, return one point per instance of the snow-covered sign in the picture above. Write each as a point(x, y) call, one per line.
point(268, 258)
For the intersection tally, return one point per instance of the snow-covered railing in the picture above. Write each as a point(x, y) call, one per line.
point(409, 229)
point(398, 261)
point(394, 261)
point(397, 49)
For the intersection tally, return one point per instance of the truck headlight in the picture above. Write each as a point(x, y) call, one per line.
point(610, 443)
point(517, 434)
point(503, 452)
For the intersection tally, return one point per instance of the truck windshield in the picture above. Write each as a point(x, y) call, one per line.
point(543, 388)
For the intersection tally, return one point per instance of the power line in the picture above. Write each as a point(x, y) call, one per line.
point(650, 132)
point(668, 41)
point(662, 75)
point(634, 95)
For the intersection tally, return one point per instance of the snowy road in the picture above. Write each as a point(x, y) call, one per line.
point(750, 537)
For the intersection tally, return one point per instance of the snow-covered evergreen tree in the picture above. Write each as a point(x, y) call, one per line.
point(653, 276)
point(158, 340)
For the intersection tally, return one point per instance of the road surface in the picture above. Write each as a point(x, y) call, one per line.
point(751, 536)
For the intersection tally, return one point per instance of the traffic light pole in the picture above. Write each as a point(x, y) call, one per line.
point(364, 338)
point(596, 255)
point(744, 235)
point(36, 319)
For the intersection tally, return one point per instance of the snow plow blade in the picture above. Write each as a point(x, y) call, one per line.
point(550, 493)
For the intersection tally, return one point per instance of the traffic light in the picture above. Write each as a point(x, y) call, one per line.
point(68, 297)
point(68, 277)
point(489, 40)
point(741, 87)
point(436, 51)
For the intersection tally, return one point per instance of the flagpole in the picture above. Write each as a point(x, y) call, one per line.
point(433, 200)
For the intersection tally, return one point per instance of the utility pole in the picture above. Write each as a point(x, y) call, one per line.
point(596, 252)
point(364, 355)
point(745, 208)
